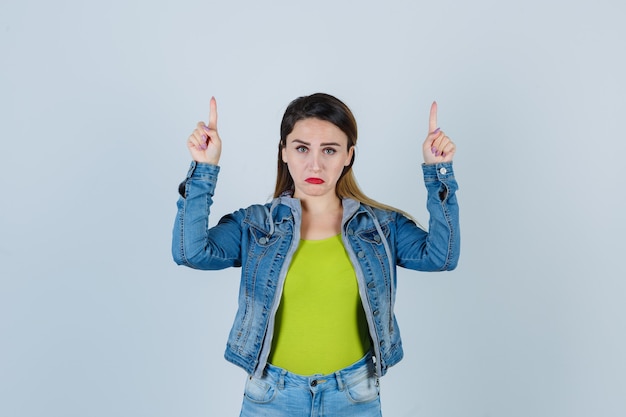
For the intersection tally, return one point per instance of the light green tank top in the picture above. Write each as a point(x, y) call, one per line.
point(320, 324)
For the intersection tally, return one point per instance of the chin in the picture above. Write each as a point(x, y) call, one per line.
point(307, 191)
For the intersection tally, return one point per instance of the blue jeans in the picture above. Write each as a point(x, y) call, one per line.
point(352, 391)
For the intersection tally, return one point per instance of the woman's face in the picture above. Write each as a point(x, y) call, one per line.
point(316, 153)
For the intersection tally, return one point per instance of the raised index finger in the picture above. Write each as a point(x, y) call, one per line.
point(432, 123)
point(213, 115)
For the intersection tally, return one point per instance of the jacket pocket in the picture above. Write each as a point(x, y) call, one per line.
point(372, 236)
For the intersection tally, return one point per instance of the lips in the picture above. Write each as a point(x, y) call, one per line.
point(314, 180)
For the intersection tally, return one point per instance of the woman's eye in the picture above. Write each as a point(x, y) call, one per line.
point(329, 151)
point(301, 149)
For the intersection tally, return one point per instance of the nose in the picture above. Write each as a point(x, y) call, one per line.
point(316, 161)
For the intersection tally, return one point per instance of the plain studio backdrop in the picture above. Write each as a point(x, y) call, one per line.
point(97, 99)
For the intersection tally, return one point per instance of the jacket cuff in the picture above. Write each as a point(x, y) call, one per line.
point(441, 171)
point(198, 171)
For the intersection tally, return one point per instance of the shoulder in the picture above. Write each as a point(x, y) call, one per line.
point(260, 214)
point(381, 213)
point(388, 218)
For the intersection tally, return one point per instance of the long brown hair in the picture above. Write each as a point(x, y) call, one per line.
point(331, 109)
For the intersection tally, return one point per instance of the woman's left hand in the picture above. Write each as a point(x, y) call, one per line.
point(437, 147)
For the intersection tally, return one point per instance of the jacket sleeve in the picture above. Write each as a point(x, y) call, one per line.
point(437, 249)
point(193, 243)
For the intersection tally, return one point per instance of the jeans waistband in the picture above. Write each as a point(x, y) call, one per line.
point(358, 371)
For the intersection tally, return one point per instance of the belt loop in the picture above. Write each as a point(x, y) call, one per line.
point(281, 379)
point(340, 382)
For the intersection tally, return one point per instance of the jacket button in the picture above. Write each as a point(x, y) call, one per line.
point(371, 285)
point(350, 232)
point(361, 254)
point(314, 383)
point(443, 171)
point(376, 312)
point(263, 240)
point(377, 239)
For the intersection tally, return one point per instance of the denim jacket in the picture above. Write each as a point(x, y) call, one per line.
point(262, 240)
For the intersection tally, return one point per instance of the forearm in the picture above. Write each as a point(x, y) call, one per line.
point(443, 240)
point(190, 238)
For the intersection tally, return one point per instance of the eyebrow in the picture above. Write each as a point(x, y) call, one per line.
point(321, 144)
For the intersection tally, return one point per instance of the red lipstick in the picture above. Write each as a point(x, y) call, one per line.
point(313, 180)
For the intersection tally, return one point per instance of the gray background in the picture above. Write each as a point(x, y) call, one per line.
point(98, 98)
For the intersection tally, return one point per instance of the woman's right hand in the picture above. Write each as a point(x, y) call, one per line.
point(205, 144)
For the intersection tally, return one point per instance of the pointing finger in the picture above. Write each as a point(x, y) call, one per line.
point(432, 124)
point(213, 115)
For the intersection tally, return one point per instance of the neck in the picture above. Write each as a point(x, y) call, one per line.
point(319, 205)
point(321, 217)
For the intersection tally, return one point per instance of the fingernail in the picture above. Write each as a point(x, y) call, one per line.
point(433, 150)
point(203, 147)
point(206, 129)
point(443, 154)
point(436, 130)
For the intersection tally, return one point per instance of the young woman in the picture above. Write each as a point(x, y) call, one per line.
point(315, 327)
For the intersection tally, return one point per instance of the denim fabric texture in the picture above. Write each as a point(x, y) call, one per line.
point(353, 391)
point(262, 239)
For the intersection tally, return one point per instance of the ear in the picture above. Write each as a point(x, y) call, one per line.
point(283, 155)
point(350, 154)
